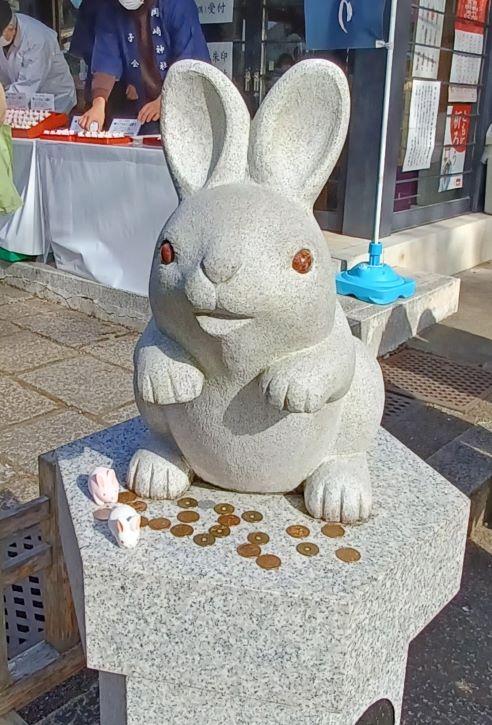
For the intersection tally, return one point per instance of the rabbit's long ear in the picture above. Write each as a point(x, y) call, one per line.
point(205, 127)
point(299, 130)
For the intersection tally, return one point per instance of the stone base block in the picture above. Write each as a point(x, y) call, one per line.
point(185, 633)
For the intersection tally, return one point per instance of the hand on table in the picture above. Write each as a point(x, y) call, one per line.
point(95, 114)
point(150, 112)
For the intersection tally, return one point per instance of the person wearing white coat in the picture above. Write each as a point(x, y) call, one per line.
point(31, 60)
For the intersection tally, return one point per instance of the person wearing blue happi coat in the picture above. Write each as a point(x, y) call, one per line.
point(136, 41)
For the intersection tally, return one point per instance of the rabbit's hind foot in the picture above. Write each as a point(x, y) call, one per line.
point(157, 470)
point(340, 490)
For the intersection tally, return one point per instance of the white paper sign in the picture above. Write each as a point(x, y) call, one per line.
point(16, 101)
point(422, 122)
point(430, 23)
point(127, 126)
point(455, 146)
point(220, 11)
point(465, 69)
point(468, 42)
point(221, 57)
point(75, 125)
point(43, 102)
point(463, 94)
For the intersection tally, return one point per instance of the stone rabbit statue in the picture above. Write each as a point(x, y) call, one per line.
point(248, 375)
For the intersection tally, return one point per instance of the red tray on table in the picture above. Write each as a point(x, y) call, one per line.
point(54, 120)
point(153, 141)
point(56, 137)
point(122, 141)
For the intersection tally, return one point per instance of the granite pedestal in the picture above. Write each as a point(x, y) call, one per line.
point(185, 634)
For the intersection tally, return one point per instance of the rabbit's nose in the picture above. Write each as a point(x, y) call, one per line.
point(217, 271)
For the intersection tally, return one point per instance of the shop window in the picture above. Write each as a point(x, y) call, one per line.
point(440, 141)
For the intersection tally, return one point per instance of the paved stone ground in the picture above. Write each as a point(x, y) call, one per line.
point(63, 375)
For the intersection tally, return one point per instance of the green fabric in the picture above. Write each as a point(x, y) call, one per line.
point(9, 197)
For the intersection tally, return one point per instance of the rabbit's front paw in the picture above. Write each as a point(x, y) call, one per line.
point(340, 490)
point(157, 474)
point(295, 386)
point(169, 384)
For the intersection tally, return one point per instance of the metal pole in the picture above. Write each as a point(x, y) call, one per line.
point(384, 123)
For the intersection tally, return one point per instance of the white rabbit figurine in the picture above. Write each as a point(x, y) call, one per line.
point(103, 486)
point(248, 374)
point(124, 524)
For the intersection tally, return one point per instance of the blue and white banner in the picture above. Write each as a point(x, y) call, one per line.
point(332, 24)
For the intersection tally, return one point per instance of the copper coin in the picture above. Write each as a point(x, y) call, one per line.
point(188, 517)
point(126, 496)
point(258, 537)
point(252, 517)
point(224, 508)
point(229, 520)
point(219, 531)
point(143, 522)
point(102, 514)
point(307, 549)
point(138, 506)
point(248, 551)
point(204, 539)
point(187, 503)
point(333, 531)
point(268, 561)
point(182, 530)
point(159, 524)
point(298, 531)
point(347, 555)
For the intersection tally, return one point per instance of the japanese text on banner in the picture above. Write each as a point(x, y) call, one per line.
point(220, 11)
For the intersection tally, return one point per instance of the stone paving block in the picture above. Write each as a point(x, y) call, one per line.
point(19, 404)
point(467, 460)
point(85, 383)
point(118, 350)
point(71, 328)
point(24, 309)
point(10, 294)
point(22, 444)
point(120, 415)
point(25, 350)
point(16, 488)
point(7, 328)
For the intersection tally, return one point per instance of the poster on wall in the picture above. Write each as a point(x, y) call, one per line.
point(469, 33)
point(422, 121)
point(221, 57)
point(428, 37)
point(215, 12)
point(455, 143)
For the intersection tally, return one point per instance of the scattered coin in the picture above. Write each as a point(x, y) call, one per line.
point(224, 508)
point(187, 503)
point(138, 506)
point(307, 549)
point(204, 539)
point(268, 561)
point(102, 514)
point(347, 554)
point(188, 517)
point(182, 530)
point(126, 497)
point(252, 517)
point(219, 531)
point(207, 504)
point(229, 520)
point(144, 521)
point(333, 531)
point(298, 531)
point(159, 524)
point(249, 551)
point(258, 537)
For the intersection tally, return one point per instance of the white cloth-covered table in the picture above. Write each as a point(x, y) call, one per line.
point(22, 231)
point(104, 207)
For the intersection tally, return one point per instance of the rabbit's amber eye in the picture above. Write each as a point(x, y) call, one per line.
point(303, 261)
point(167, 253)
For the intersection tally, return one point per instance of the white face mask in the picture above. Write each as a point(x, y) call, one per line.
point(131, 4)
point(4, 42)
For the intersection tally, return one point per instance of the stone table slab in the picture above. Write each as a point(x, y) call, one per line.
point(318, 639)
